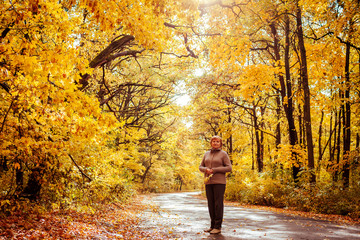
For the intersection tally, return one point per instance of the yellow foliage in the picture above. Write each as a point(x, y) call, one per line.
point(48, 121)
point(289, 156)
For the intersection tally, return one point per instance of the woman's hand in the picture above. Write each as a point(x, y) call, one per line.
point(209, 171)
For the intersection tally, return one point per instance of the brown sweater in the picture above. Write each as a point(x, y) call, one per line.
point(219, 161)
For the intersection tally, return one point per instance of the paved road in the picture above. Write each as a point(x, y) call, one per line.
point(184, 216)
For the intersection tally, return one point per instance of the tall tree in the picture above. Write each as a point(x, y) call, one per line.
point(305, 87)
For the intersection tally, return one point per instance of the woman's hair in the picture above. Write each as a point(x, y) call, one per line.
point(216, 137)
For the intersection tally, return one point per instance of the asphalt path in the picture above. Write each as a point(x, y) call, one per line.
point(184, 216)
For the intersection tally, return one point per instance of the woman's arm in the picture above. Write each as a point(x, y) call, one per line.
point(226, 165)
point(202, 166)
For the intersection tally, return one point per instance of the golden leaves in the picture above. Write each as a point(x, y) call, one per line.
point(207, 178)
point(289, 156)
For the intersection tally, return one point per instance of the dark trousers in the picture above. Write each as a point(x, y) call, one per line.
point(215, 198)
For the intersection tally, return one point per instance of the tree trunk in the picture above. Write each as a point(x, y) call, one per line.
point(19, 179)
point(259, 147)
point(262, 125)
point(305, 85)
point(147, 169)
point(337, 145)
point(252, 151)
point(3, 164)
point(320, 141)
point(34, 184)
point(143, 177)
point(346, 120)
point(331, 148)
point(230, 139)
point(286, 89)
point(301, 123)
point(278, 125)
point(357, 134)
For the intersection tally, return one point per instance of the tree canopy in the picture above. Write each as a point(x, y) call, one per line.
point(89, 114)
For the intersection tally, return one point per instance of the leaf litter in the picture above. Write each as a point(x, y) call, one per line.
point(111, 221)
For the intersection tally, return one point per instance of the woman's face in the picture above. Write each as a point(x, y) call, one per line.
point(216, 143)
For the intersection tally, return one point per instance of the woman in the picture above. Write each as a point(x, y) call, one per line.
point(215, 164)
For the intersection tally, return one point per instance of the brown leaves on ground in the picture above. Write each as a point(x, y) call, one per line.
point(110, 222)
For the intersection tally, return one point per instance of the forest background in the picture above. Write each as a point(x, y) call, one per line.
point(89, 111)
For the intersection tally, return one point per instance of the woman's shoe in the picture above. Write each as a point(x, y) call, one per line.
point(208, 230)
point(215, 231)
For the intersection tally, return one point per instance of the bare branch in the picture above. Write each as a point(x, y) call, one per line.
point(2, 125)
point(81, 171)
point(106, 56)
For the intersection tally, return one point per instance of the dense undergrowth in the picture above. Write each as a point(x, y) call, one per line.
point(277, 192)
point(245, 187)
point(85, 197)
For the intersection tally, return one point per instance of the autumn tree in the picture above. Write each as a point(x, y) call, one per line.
point(272, 35)
point(338, 25)
point(72, 81)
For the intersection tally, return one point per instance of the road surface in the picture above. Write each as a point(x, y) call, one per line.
point(184, 216)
